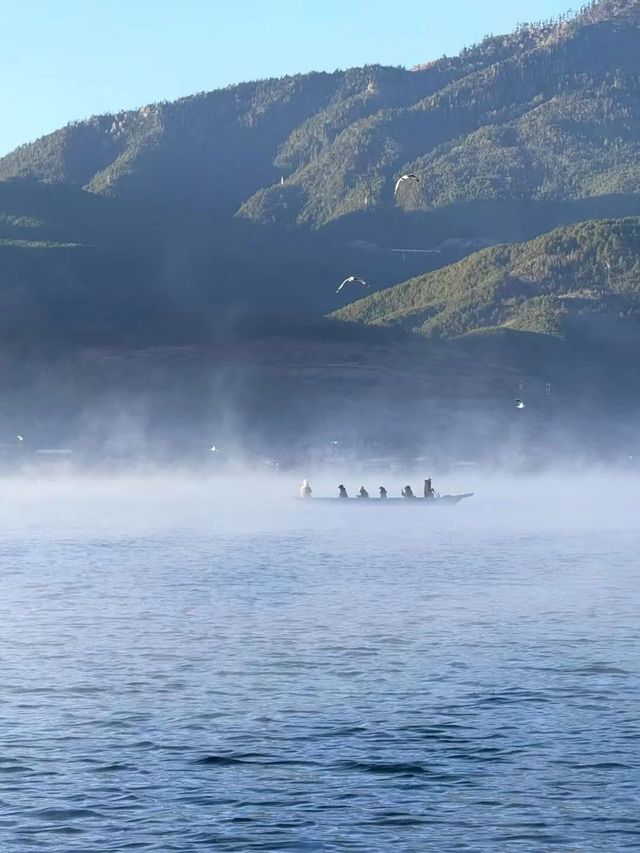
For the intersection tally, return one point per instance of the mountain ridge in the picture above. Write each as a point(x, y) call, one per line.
point(310, 149)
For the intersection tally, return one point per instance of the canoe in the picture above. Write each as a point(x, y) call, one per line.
point(442, 500)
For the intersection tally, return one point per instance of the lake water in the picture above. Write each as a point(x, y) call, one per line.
point(184, 670)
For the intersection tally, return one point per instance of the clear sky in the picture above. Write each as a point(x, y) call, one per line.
point(68, 59)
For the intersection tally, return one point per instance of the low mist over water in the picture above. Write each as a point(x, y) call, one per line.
point(207, 663)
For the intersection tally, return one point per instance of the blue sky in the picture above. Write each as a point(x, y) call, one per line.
point(67, 59)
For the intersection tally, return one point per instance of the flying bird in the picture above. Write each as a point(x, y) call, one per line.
point(353, 279)
point(520, 404)
point(409, 177)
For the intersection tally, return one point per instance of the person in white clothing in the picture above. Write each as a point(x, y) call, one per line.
point(305, 489)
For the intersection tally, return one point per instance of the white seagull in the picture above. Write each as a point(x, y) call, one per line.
point(353, 279)
point(409, 177)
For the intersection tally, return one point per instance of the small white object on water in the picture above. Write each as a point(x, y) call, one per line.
point(520, 404)
point(20, 438)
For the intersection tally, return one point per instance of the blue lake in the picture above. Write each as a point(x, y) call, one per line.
point(182, 670)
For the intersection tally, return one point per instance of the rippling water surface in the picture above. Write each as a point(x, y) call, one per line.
point(183, 670)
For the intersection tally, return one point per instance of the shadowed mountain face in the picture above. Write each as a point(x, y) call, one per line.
point(84, 268)
point(202, 241)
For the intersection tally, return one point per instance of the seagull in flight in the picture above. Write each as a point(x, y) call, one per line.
point(353, 279)
point(409, 177)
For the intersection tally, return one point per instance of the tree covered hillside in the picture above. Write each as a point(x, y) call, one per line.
point(571, 282)
point(211, 149)
point(553, 114)
point(550, 112)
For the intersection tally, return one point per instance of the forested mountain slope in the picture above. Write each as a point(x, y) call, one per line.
point(555, 118)
point(548, 113)
point(575, 280)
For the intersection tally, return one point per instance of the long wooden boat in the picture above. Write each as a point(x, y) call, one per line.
point(440, 500)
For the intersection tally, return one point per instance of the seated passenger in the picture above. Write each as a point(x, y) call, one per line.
point(407, 492)
point(305, 489)
point(383, 493)
point(363, 493)
point(342, 492)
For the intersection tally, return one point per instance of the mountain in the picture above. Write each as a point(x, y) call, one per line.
point(212, 149)
point(571, 280)
point(564, 306)
point(547, 115)
point(553, 320)
point(184, 258)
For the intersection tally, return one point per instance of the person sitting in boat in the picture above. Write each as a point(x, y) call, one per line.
point(342, 492)
point(407, 492)
point(363, 493)
point(383, 493)
point(305, 489)
point(429, 491)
